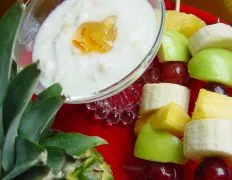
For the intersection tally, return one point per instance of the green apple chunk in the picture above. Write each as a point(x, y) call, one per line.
point(174, 47)
point(212, 65)
point(159, 146)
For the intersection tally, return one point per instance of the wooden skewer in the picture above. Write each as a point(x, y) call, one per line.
point(178, 5)
point(23, 3)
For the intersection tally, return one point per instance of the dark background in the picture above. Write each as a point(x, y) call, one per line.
point(5, 5)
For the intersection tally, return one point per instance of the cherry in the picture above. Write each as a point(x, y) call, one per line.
point(218, 88)
point(212, 169)
point(161, 171)
point(174, 72)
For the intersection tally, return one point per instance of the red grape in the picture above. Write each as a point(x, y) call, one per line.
point(136, 168)
point(161, 171)
point(212, 169)
point(218, 88)
point(174, 72)
point(189, 170)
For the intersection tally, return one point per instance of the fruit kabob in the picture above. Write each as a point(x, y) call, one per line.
point(207, 138)
point(165, 132)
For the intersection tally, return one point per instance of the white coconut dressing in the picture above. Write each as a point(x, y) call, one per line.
point(82, 74)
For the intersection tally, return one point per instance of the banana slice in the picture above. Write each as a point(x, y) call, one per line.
point(208, 138)
point(212, 36)
point(156, 95)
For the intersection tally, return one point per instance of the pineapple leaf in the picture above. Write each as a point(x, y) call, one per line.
point(36, 173)
point(18, 96)
point(41, 113)
point(8, 23)
point(2, 134)
point(28, 155)
point(54, 90)
point(50, 133)
point(13, 73)
point(56, 159)
point(73, 143)
point(60, 162)
point(19, 93)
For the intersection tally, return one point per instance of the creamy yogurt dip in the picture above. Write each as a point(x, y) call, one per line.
point(82, 74)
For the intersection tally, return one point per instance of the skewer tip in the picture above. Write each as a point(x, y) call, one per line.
point(178, 5)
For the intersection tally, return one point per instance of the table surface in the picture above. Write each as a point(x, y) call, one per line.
point(220, 8)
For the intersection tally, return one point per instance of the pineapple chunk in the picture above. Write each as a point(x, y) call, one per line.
point(186, 24)
point(171, 118)
point(212, 105)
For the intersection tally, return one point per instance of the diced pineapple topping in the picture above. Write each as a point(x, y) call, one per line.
point(212, 105)
point(186, 24)
point(171, 118)
point(96, 36)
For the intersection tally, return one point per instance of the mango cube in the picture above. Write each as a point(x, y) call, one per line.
point(212, 105)
point(171, 118)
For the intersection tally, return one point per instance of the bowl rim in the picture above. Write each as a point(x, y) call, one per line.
point(129, 79)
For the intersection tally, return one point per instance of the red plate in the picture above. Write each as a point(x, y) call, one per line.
point(119, 152)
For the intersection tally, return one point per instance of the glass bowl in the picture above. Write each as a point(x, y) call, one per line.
point(36, 11)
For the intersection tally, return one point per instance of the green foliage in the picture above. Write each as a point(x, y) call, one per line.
point(28, 155)
point(8, 27)
point(66, 140)
point(8, 23)
point(27, 149)
point(18, 96)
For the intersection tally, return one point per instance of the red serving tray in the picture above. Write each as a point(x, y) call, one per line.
point(119, 152)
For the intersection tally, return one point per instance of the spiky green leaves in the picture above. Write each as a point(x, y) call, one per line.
point(8, 23)
point(24, 123)
point(8, 27)
point(28, 121)
point(67, 140)
point(28, 155)
point(38, 117)
point(37, 173)
point(18, 96)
